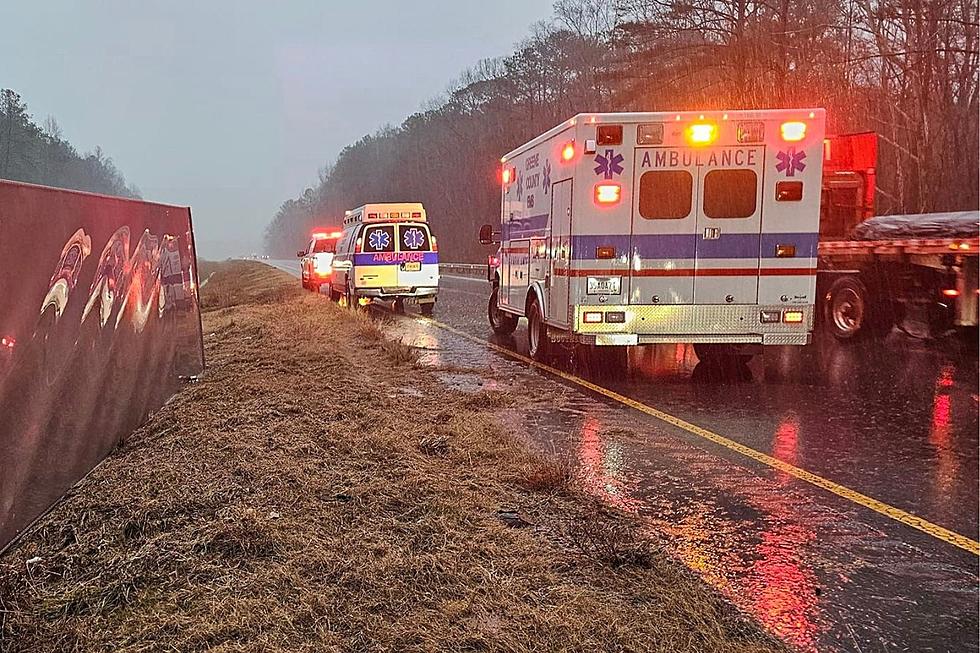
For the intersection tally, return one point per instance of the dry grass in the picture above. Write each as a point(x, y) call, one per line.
point(297, 499)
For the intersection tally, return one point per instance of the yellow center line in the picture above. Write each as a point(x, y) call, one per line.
point(897, 514)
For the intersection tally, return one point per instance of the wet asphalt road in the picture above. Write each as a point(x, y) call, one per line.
point(895, 421)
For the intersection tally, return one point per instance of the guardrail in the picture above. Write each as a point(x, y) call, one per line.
point(467, 269)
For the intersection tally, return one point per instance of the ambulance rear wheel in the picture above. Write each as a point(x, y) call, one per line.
point(538, 343)
point(502, 322)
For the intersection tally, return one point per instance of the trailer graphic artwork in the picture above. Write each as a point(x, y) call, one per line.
point(101, 341)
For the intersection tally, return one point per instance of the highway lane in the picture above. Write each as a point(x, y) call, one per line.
point(897, 423)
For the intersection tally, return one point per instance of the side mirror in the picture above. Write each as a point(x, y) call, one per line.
point(300, 254)
point(487, 237)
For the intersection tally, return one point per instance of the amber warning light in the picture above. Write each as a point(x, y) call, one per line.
point(702, 133)
point(793, 131)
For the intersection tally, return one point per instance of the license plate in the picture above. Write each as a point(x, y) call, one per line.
point(412, 266)
point(603, 286)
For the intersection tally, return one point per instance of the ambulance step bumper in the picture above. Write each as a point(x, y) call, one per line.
point(614, 339)
point(385, 293)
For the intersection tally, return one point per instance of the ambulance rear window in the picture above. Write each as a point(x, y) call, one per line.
point(730, 193)
point(379, 239)
point(413, 238)
point(322, 245)
point(666, 194)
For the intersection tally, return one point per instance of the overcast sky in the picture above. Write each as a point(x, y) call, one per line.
point(231, 107)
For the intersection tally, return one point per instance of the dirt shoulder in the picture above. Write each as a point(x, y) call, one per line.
point(316, 491)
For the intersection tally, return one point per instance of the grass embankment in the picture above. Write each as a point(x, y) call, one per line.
point(318, 491)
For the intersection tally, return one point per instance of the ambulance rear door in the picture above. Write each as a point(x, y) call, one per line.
point(729, 224)
point(664, 223)
point(418, 264)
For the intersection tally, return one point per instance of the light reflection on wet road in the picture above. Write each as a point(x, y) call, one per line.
point(896, 422)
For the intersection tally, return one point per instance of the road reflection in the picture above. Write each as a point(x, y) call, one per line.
point(897, 422)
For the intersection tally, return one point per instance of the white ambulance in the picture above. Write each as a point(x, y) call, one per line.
point(633, 228)
point(386, 252)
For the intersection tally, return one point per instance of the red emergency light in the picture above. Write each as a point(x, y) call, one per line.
point(568, 151)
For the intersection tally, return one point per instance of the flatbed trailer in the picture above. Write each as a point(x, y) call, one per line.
point(870, 279)
point(868, 287)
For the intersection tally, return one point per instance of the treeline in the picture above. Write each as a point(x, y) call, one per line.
point(40, 155)
point(906, 69)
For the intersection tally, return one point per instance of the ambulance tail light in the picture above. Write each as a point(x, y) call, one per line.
point(608, 193)
point(793, 131)
point(435, 245)
point(357, 245)
point(592, 317)
point(793, 317)
point(568, 151)
point(702, 133)
point(770, 317)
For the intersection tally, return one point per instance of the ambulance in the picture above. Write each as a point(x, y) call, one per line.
point(386, 252)
point(622, 229)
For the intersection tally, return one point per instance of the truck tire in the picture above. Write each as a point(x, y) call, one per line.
point(502, 322)
point(538, 342)
point(851, 313)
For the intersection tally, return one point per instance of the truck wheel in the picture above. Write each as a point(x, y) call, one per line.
point(851, 313)
point(502, 322)
point(427, 309)
point(538, 343)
